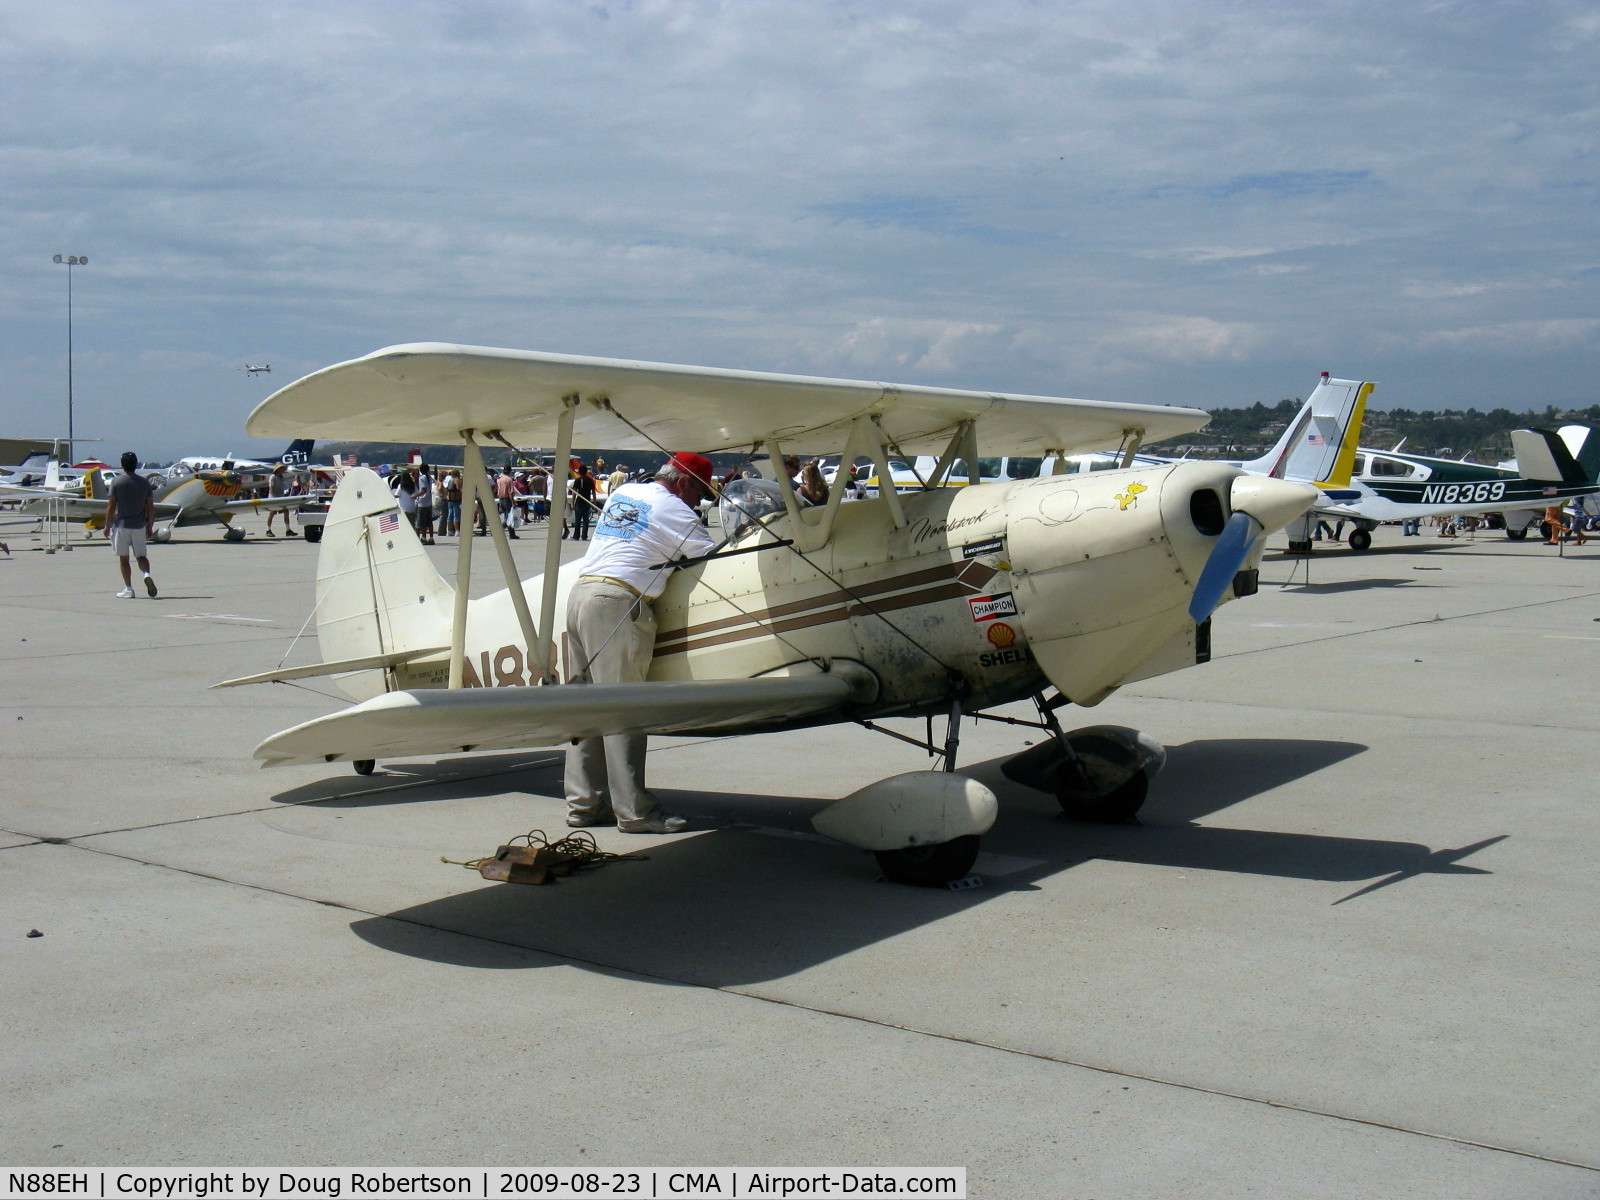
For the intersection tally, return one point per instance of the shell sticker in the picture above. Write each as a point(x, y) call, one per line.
point(1001, 635)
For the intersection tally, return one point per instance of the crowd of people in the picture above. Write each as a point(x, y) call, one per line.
point(431, 500)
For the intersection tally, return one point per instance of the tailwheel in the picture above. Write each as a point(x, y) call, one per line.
point(364, 766)
point(1116, 806)
point(933, 865)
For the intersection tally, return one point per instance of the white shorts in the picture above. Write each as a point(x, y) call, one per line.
point(128, 539)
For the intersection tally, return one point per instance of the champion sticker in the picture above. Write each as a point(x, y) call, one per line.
point(994, 545)
point(987, 608)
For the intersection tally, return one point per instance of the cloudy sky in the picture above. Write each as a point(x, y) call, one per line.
point(1201, 202)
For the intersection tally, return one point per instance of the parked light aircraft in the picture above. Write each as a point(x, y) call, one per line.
point(1550, 468)
point(182, 498)
point(298, 455)
point(949, 601)
point(30, 472)
point(41, 471)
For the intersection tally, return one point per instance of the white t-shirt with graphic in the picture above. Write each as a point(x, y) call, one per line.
point(643, 524)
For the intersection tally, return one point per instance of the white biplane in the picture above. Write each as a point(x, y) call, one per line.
point(946, 602)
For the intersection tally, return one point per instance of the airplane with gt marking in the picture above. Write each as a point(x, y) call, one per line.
point(297, 456)
point(949, 601)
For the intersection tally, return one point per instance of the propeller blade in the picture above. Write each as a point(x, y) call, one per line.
point(1227, 557)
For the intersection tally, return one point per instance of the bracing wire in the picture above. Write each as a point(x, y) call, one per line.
point(843, 587)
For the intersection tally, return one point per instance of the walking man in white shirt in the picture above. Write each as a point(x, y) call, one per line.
point(611, 628)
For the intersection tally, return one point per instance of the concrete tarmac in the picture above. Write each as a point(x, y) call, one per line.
point(1349, 949)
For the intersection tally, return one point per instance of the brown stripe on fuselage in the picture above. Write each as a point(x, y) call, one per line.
point(973, 574)
point(933, 595)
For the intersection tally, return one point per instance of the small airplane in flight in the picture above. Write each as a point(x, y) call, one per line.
point(946, 602)
point(252, 369)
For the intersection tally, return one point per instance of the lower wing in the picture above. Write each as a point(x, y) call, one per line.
point(403, 724)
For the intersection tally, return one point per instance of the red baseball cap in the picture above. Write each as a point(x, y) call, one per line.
point(697, 465)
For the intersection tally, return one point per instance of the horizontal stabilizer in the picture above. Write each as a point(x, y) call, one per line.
point(403, 724)
point(311, 670)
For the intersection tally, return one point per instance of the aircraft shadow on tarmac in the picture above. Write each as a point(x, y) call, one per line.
point(759, 898)
point(1352, 585)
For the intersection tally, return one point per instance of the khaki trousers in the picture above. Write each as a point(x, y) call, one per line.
point(611, 637)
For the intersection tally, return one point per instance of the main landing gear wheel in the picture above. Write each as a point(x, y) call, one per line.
point(1115, 807)
point(930, 866)
point(1517, 535)
point(233, 535)
point(364, 766)
point(313, 533)
point(1360, 540)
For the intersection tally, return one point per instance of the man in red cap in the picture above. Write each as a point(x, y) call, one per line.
point(611, 631)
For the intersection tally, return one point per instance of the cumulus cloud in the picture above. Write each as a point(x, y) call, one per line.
point(1087, 199)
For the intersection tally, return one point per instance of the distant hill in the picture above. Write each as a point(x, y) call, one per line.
point(1233, 433)
point(1452, 433)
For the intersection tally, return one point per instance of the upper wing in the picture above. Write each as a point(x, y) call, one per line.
point(401, 724)
point(430, 392)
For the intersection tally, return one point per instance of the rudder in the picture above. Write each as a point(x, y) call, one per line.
point(377, 590)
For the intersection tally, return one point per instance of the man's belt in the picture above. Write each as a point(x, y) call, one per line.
point(621, 583)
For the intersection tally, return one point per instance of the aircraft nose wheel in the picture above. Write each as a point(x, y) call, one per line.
point(930, 866)
point(1113, 808)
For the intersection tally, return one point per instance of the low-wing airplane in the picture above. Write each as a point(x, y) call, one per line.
point(298, 455)
point(43, 473)
point(1386, 485)
point(255, 369)
point(183, 498)
point(944, 602)
point(30, 472)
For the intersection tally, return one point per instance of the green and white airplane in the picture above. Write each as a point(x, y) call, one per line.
point(1386, 485)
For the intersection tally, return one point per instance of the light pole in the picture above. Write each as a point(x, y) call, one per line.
point(70, 261)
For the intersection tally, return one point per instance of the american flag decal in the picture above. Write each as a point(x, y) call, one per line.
point(389, 522)
point(1315, 439)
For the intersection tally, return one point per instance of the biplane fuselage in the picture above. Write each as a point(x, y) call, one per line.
point(1091, 574)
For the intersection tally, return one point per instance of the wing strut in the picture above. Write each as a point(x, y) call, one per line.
point(1132, 439)
point(502, 548)
point(458, 620)
point(558, 516)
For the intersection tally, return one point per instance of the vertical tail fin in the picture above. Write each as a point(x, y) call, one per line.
point(1584, 443)
point(377, 590)
point(1319, 446)
point(299, 452)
